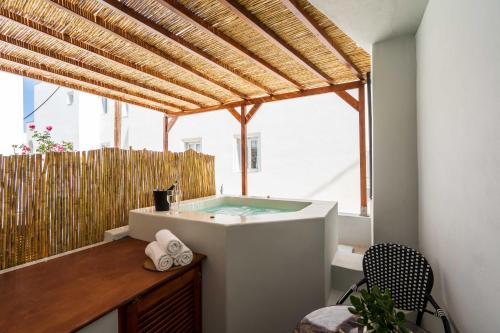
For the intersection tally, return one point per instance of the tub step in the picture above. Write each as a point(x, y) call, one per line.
point(349, 257)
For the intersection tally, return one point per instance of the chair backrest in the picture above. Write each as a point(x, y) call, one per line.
point(402, 270)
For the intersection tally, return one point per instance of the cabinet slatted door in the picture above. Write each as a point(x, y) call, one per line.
point(174, 307)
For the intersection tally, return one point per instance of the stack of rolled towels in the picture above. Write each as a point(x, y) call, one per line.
point(167, 251)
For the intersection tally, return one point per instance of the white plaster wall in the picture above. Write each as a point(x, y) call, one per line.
point(107, 125)
point(145, 128)
point(395, 187)
point(309, 149)
point(11, 112)
point(90, 109)
point(370, 21)
point(458, 53)
point(87, 125)
point(57, 113)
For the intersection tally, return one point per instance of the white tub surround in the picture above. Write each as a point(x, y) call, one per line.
point(263, 273)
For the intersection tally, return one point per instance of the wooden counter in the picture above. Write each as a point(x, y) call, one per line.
point(67, 293)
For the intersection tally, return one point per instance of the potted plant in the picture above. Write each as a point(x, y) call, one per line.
point(376, 312)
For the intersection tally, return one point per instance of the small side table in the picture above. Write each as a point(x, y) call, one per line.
point(336, 319)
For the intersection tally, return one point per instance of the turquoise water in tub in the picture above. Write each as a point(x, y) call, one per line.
point(242, 210)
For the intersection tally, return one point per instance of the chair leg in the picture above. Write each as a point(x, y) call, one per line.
point(420, 315)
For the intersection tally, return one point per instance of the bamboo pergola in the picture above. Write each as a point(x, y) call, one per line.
point(184, 57)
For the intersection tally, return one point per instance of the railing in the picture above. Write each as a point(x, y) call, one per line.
point(62, 201)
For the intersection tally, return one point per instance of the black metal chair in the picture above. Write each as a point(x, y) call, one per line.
point(406, 273)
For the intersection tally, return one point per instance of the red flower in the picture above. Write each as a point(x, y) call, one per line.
point(58, 148)
point(31, 126)
point(49, 128)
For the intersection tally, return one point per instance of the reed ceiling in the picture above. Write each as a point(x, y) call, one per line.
point(179, 56)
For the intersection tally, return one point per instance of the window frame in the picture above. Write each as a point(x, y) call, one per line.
point(191, 141)
point(236, 155)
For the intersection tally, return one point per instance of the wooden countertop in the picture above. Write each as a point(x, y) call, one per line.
point(67, 293)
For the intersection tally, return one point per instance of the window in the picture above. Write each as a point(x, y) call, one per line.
point(70, 97)
point(104, 102)
point(108, 105)
point(253, 152)
point(125, 110)
point(194, 144)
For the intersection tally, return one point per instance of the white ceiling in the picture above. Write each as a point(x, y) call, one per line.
point(370, 21)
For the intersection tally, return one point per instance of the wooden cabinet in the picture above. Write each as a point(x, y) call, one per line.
point(173, 307)
point(82, 291)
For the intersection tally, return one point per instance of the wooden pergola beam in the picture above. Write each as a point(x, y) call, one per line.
point(71, 42)
point(251, 20)
point(179, 42)
point(96, 70)
point(253, 111)
point(362, 151)
point(171, 123)
point(235, 114)
point(278, 97)
point(40, 75)
point(199, 23)
point(322, 36)
point(118, 125)
point(353, 102)
point(165, 133)
point(130, 39)
point(80, 78)
point(244, 155)
point(168, 123)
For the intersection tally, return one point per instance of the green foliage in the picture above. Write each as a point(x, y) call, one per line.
point(44, 143)
point(376, 312)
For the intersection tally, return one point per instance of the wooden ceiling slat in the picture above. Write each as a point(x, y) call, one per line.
point(155, 28)
point(253, 111)
point(234, 113)
point(184, 13)
point(71, 42)
point(277, 97)
point(45, 68)
point(260, 27)
point(99, 71)
point(322, 36)
point(64, 83)
point(185, 64)
point(348, 99)
point(128, 38)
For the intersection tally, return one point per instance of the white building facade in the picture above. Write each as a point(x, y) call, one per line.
point(88, 121)
point(11, 112)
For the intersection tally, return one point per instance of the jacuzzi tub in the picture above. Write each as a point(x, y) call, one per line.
point(267, 265)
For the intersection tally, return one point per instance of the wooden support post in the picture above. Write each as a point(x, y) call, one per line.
point(118, 125)
point(362, 151)
point(165, 133)
point(168, 123)
point(253, 111)
point(244, 155)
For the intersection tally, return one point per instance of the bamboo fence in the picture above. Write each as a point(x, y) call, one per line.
point(62, 201)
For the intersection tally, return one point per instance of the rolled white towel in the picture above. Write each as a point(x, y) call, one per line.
point(185, 256)
point(168, 242)
point(161, 260)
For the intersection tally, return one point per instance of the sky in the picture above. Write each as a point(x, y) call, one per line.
point(28, 98)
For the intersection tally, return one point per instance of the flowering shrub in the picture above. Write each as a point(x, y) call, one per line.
point(44, 143)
